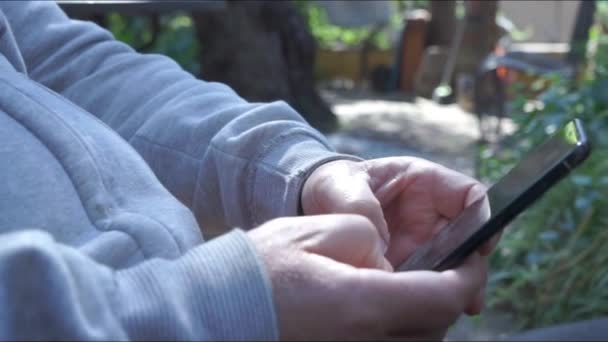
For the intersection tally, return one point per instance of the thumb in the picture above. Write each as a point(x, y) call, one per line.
point(349, 239)
point(438, 298)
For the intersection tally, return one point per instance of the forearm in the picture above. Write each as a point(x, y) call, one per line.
point(234, 163)
point(218, 291)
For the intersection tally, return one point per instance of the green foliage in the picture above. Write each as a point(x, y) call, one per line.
point(552, 264)
point(328, 35)
point(176, 39)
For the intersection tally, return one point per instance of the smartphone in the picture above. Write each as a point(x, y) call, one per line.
point(537, 172)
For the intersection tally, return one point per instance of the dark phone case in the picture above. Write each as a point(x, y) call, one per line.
point(422, 260)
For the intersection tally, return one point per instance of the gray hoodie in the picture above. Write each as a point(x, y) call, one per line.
point(110, 161)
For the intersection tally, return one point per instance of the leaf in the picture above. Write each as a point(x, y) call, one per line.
point(548, 235)
point(581, 180)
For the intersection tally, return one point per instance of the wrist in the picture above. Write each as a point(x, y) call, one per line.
point(310, 177)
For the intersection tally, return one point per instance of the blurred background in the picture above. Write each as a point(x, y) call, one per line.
point(469, 84)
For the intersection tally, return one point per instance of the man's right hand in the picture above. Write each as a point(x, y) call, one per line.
point(331, 281)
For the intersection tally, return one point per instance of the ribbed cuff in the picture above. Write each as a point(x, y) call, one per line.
point(281, 174)
point(217, 291)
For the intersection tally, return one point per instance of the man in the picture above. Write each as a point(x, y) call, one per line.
point(112, 160)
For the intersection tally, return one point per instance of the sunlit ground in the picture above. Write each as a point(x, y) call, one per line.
point(373, 126)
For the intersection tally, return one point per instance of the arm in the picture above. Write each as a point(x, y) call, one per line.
point(234, 163)
point(52, 292)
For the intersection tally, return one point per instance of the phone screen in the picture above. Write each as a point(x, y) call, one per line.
point(493, 211)
point(533, 167)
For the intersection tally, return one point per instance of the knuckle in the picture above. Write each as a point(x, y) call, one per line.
point(368, 207)
point(358, 205)
point(362, 226)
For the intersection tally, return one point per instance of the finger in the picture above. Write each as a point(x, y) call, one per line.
point(479, 193)
point(483, 215)
point(490, 245)
point(450, 189)
point(349, 239)
point(403, 246)
point(438, 297)
point(475, 193)
point(477, 305)
point(453, 191)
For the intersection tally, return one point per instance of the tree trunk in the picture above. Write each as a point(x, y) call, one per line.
point(580, 34)
point(443, 23)
point(480, 36)
point(264, 51)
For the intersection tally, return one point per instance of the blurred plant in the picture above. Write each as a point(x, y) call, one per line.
point(552, 265)
point(176, 37)
point(330, 36)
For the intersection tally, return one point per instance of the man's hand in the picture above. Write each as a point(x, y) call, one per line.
point(330, 280)
point(407, 199)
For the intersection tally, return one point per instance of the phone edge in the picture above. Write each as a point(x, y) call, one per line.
point(531, 195)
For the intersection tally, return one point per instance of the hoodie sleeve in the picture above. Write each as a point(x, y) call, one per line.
point(232, 162)
point(53, 292)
